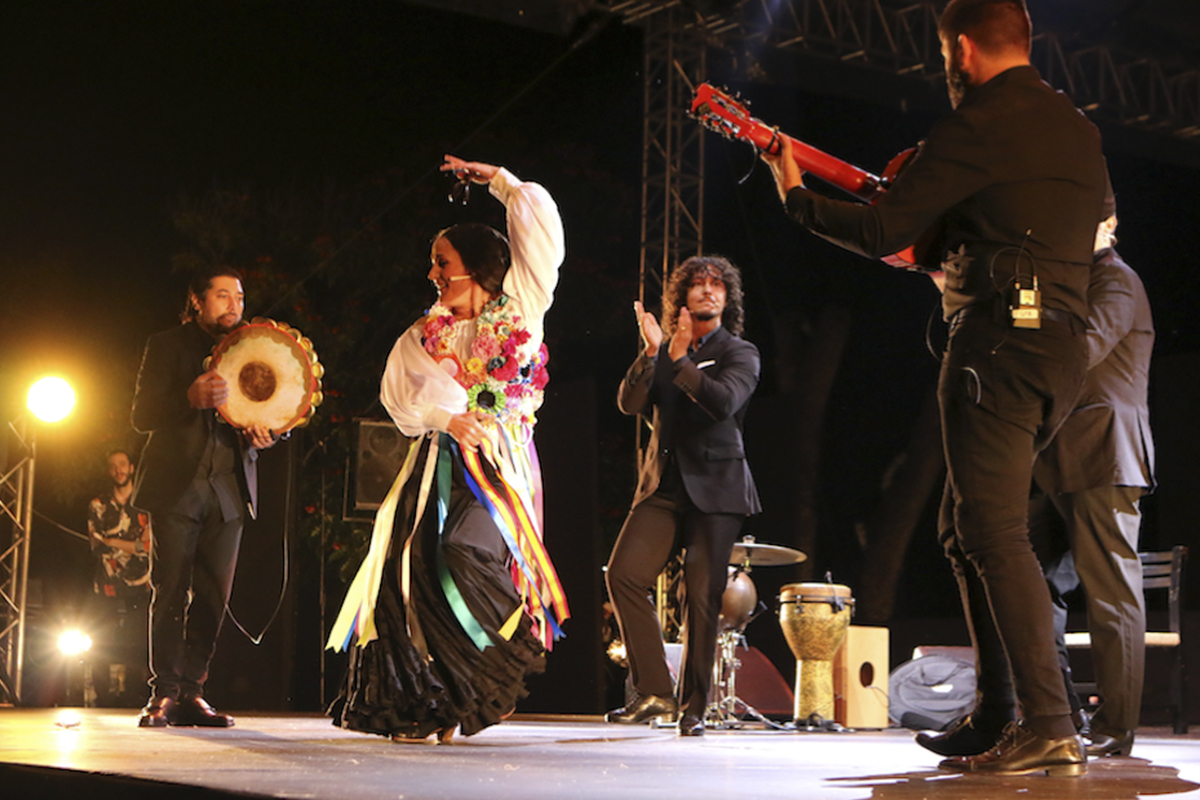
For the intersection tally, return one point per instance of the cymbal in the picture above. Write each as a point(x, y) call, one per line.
point(748, 552)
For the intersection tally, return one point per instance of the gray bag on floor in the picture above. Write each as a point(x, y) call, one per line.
point(932, 692)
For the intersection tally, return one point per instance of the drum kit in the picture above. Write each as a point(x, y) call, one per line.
point(815, 618)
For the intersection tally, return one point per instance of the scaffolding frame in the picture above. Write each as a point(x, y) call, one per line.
point(16, 508)
point(900, 37)
point(674, 63)
point(672, 229)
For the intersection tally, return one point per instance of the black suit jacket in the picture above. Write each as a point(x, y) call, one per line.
point(1106, 440)
point(180, 434)
point(696, 407)
point(1014, 178)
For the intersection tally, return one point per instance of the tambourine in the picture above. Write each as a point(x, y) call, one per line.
point(273, 374)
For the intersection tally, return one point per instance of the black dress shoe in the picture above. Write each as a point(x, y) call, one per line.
point(1109, 744)
point(968, 738)
point(691, 725)
point(157, 713)
point(195, 711)
point(1021, 751)
point(648, 707)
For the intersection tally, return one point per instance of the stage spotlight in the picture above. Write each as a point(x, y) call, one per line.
point(74, 642)
point(51, 399)
point(68, 718)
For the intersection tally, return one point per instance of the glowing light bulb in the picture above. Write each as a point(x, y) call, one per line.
point(51, 399)
point(74, 642)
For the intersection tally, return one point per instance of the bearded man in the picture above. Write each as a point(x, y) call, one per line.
point(1013, 181)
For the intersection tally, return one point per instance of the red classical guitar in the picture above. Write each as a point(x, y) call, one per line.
point(729, 116)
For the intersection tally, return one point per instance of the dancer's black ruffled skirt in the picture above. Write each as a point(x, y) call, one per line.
point(391, 688)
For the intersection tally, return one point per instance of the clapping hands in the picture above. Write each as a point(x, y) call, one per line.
point(652, 333)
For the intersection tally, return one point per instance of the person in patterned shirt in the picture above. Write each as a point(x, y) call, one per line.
point(121, 537)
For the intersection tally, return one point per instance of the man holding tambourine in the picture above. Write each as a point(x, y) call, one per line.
point(198, 480)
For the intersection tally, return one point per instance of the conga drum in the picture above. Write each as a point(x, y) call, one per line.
point(815, 618)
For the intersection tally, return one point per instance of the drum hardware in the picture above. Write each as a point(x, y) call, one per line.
point(722, 711)
point(815, 723)
point(739, 607)
point(727, 710)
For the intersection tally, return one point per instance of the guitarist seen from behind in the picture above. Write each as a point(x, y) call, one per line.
point(1015, 176)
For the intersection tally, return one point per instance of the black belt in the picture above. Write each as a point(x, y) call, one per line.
point(1064, 318)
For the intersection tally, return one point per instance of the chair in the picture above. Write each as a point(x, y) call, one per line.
point(1160, 570)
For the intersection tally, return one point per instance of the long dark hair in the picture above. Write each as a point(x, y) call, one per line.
point(733, 318)
point(200, 284)
point(484, 252)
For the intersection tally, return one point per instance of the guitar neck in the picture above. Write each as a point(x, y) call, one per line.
point(729, 116)
point(866, 186)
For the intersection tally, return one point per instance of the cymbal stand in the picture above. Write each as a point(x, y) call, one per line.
point(723, 712)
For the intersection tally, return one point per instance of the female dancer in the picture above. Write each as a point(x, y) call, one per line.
point(457, 600)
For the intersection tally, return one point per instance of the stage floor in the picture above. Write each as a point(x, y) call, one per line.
point(304, 756)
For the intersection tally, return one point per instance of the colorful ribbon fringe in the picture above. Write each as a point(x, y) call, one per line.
point(515, 507)
point(513, 512)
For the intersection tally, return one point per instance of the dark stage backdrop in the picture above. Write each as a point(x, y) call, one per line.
point(1170, 513)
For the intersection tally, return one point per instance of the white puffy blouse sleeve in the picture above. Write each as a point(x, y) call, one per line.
point(535, 236)
point(417, 393)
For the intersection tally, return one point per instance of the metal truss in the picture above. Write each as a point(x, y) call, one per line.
point(901, 38)
point(16, 513)
point(672, 148)
point(672, 187)
point(1135, 92)
point(666, 599)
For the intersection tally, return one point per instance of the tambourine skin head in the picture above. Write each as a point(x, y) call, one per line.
point(271, 376)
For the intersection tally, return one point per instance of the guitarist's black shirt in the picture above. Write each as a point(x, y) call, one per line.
point(1015, 173)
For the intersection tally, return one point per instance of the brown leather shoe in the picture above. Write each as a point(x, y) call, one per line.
point(1021, 751)
point(1109, 744)
point(157, 713)
point(195, 711)
point(646, 708)
point(690, 725)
